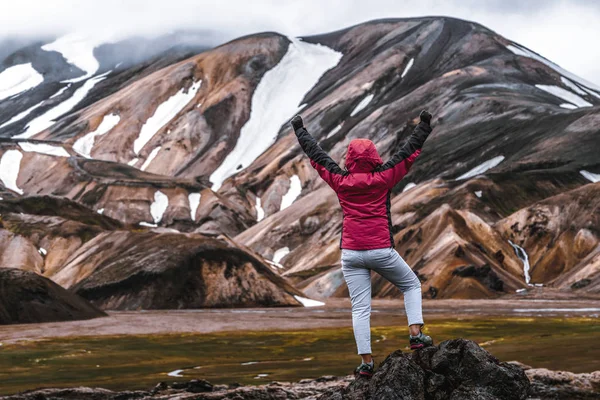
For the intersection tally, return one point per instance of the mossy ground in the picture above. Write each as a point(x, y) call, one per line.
point(139, 362)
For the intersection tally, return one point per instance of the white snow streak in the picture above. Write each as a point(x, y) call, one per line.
point(25, 113)
point(194, 199)
point(43, 148)
point(407, 68)
point(133, 162)
point(260, 213)
point(77, 50)
point(10, 164)
point(177, 373)
point(150, 158)
point(47, 119)
point(275, 101)
point(480, 169)
point(309, 302)
point(569, 106)
point(408, 186)
point(590, 176)
point(280, 253)
point(334, 131)
point(163, 114)
point(572, 86)
point(17, 79)
point(158, 208)
point(85, 144)
point(100, 211)
point(147, 224)
point(528, 53)
point(523, 256)
point(363, 103)
point(292, 193)
point(565, 95)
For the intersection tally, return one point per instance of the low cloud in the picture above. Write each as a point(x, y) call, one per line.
point(563, 31)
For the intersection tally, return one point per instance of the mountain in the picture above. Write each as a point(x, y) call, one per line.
point(195, 141)
point(27, 297)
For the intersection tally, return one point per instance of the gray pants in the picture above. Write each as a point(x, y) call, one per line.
point(357, 266)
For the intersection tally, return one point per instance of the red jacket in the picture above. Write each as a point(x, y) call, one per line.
point(364, 188)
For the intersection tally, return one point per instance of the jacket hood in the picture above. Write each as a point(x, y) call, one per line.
point(362, 156)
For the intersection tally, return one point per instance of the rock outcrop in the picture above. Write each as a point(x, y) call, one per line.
point(455, 370)
point(26, 297)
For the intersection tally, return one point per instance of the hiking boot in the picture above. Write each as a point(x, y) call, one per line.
point(420, 341)
point(365, 369)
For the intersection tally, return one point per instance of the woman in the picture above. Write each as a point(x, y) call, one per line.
point(367, 243)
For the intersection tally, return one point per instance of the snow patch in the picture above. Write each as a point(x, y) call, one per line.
point(482, 168)
point(275, 101)
point(158, 208)
point(260, 213)
point(78, 51)
point(569, 106)
point(565, 95)
point(10, 164)
point(334, 131)
point(133, 162)
point(47, 119)
point(523, 256)
point(280, 253)
point(363, 103)
point(163, 114)
point(409, 186)
point(17, 79)
point(21, 115)
point(100, 211)
point(249, 363)
point(590, 176)
point(572, 86)
point(528, 53)
point(43, 251)
point(85, 144)
point(274, 264)
point(309, 302)
point(194, 199)
point(43, 148)
point(259, 376)
point(407, 68)
point(176, 373)
point(150, 158)
point(478, 193)
point(148, 224)
point(292, 193)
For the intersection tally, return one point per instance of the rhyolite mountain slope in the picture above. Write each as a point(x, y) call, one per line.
point(201, 145)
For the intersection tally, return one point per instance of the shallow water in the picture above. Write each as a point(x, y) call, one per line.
point(139, 362)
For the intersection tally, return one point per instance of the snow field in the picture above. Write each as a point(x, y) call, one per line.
point(10, 164)
point(194, 199)
point(292, 193)
point(163, 114)
point(280, 253)
point(361, 106)
point(150, 158)
point(159, 206)
point(78, 51)
point(275, 101)
point(47, 119)
point(43, 148)
point(565, 95)
point(482, 168)
point(85, 144)
point(17, 79)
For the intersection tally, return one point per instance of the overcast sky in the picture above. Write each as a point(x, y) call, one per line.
point(564, 31)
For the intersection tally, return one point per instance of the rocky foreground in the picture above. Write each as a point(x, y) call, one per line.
point(456, 369)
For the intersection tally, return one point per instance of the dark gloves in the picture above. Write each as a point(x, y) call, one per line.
point(297, 122)
point(425, 117)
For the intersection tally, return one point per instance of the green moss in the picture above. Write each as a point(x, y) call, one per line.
point(128, 362)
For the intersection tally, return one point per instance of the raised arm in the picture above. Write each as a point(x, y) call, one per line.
point(325, 166)
point(398, 166)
